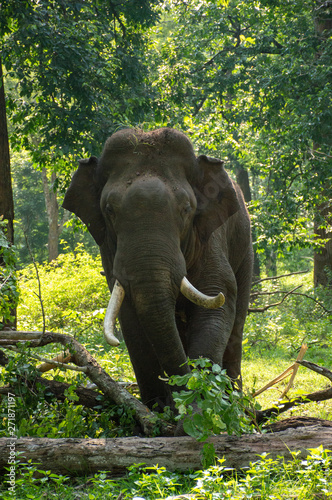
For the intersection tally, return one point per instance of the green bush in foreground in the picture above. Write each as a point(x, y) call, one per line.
point(222, 409)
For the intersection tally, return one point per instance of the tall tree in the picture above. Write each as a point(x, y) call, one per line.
point(6, 214)
point(6, 193)
point(323, 219)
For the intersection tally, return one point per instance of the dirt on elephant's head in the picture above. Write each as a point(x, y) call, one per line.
point(139, 148)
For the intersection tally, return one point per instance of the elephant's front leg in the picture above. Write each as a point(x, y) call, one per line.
point(233, 353)
point(209, 330)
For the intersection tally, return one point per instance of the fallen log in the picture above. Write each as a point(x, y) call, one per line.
point(73, 456)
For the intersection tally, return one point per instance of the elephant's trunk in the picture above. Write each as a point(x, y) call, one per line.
point(155, 309)
point(188, 290)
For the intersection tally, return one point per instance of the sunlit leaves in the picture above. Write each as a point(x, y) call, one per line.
point(209, 404)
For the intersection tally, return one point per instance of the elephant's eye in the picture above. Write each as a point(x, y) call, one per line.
point(186, 209)
point(110, 210)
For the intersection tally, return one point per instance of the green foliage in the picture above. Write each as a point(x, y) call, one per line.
point(269, 478)
point(73, 292)
point(9, 293)
point(250, 82)
point(209, 390)
point(80, 72)
point(39, 414)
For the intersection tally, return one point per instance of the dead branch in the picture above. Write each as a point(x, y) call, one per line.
point(281, 407)
point(86, 397)
point(280, 276)
point(63, 357)
point(256, 294)
point(108, 386)
point(10, 337)
point(265, 308)
point(50, 363)
point(293, 368)
point(316, 368)
point(299, 358)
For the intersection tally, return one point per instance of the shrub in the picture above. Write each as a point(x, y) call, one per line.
point(74, 294)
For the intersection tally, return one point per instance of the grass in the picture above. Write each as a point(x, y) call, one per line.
point(259, 371)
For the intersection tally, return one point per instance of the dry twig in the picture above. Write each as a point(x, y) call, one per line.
point(265, 308)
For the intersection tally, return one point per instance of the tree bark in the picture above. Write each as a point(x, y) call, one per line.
point(52, 209)
point(73, 456)
point(323, 222)
point(6, 191)
point(242, 178)
point(323, 257)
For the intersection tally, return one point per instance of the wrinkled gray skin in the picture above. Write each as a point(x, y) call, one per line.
point(158, 214)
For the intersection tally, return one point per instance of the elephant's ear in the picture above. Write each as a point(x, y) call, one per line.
point(216, 196)
point(82, 198)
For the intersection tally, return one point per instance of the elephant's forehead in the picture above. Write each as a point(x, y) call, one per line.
point(164, 139)
point(127, 167)
point(169, 154)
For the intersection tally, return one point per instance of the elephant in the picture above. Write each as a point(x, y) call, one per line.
point(175, 242)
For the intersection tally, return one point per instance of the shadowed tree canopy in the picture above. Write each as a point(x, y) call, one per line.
point(248, 81)
point(79, 70)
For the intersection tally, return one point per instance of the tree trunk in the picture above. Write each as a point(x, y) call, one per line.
point(242, 178)
point(6, 192)
point(323, 222)
point(52, 209)
point(73, 456)
point(323, 257)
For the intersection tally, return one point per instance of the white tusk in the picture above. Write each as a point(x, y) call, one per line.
point(112, 312)
point(199, 298)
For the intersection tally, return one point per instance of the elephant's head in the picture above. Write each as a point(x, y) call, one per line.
point(151, 206)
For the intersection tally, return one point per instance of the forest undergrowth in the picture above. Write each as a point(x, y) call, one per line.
point(74, 296)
